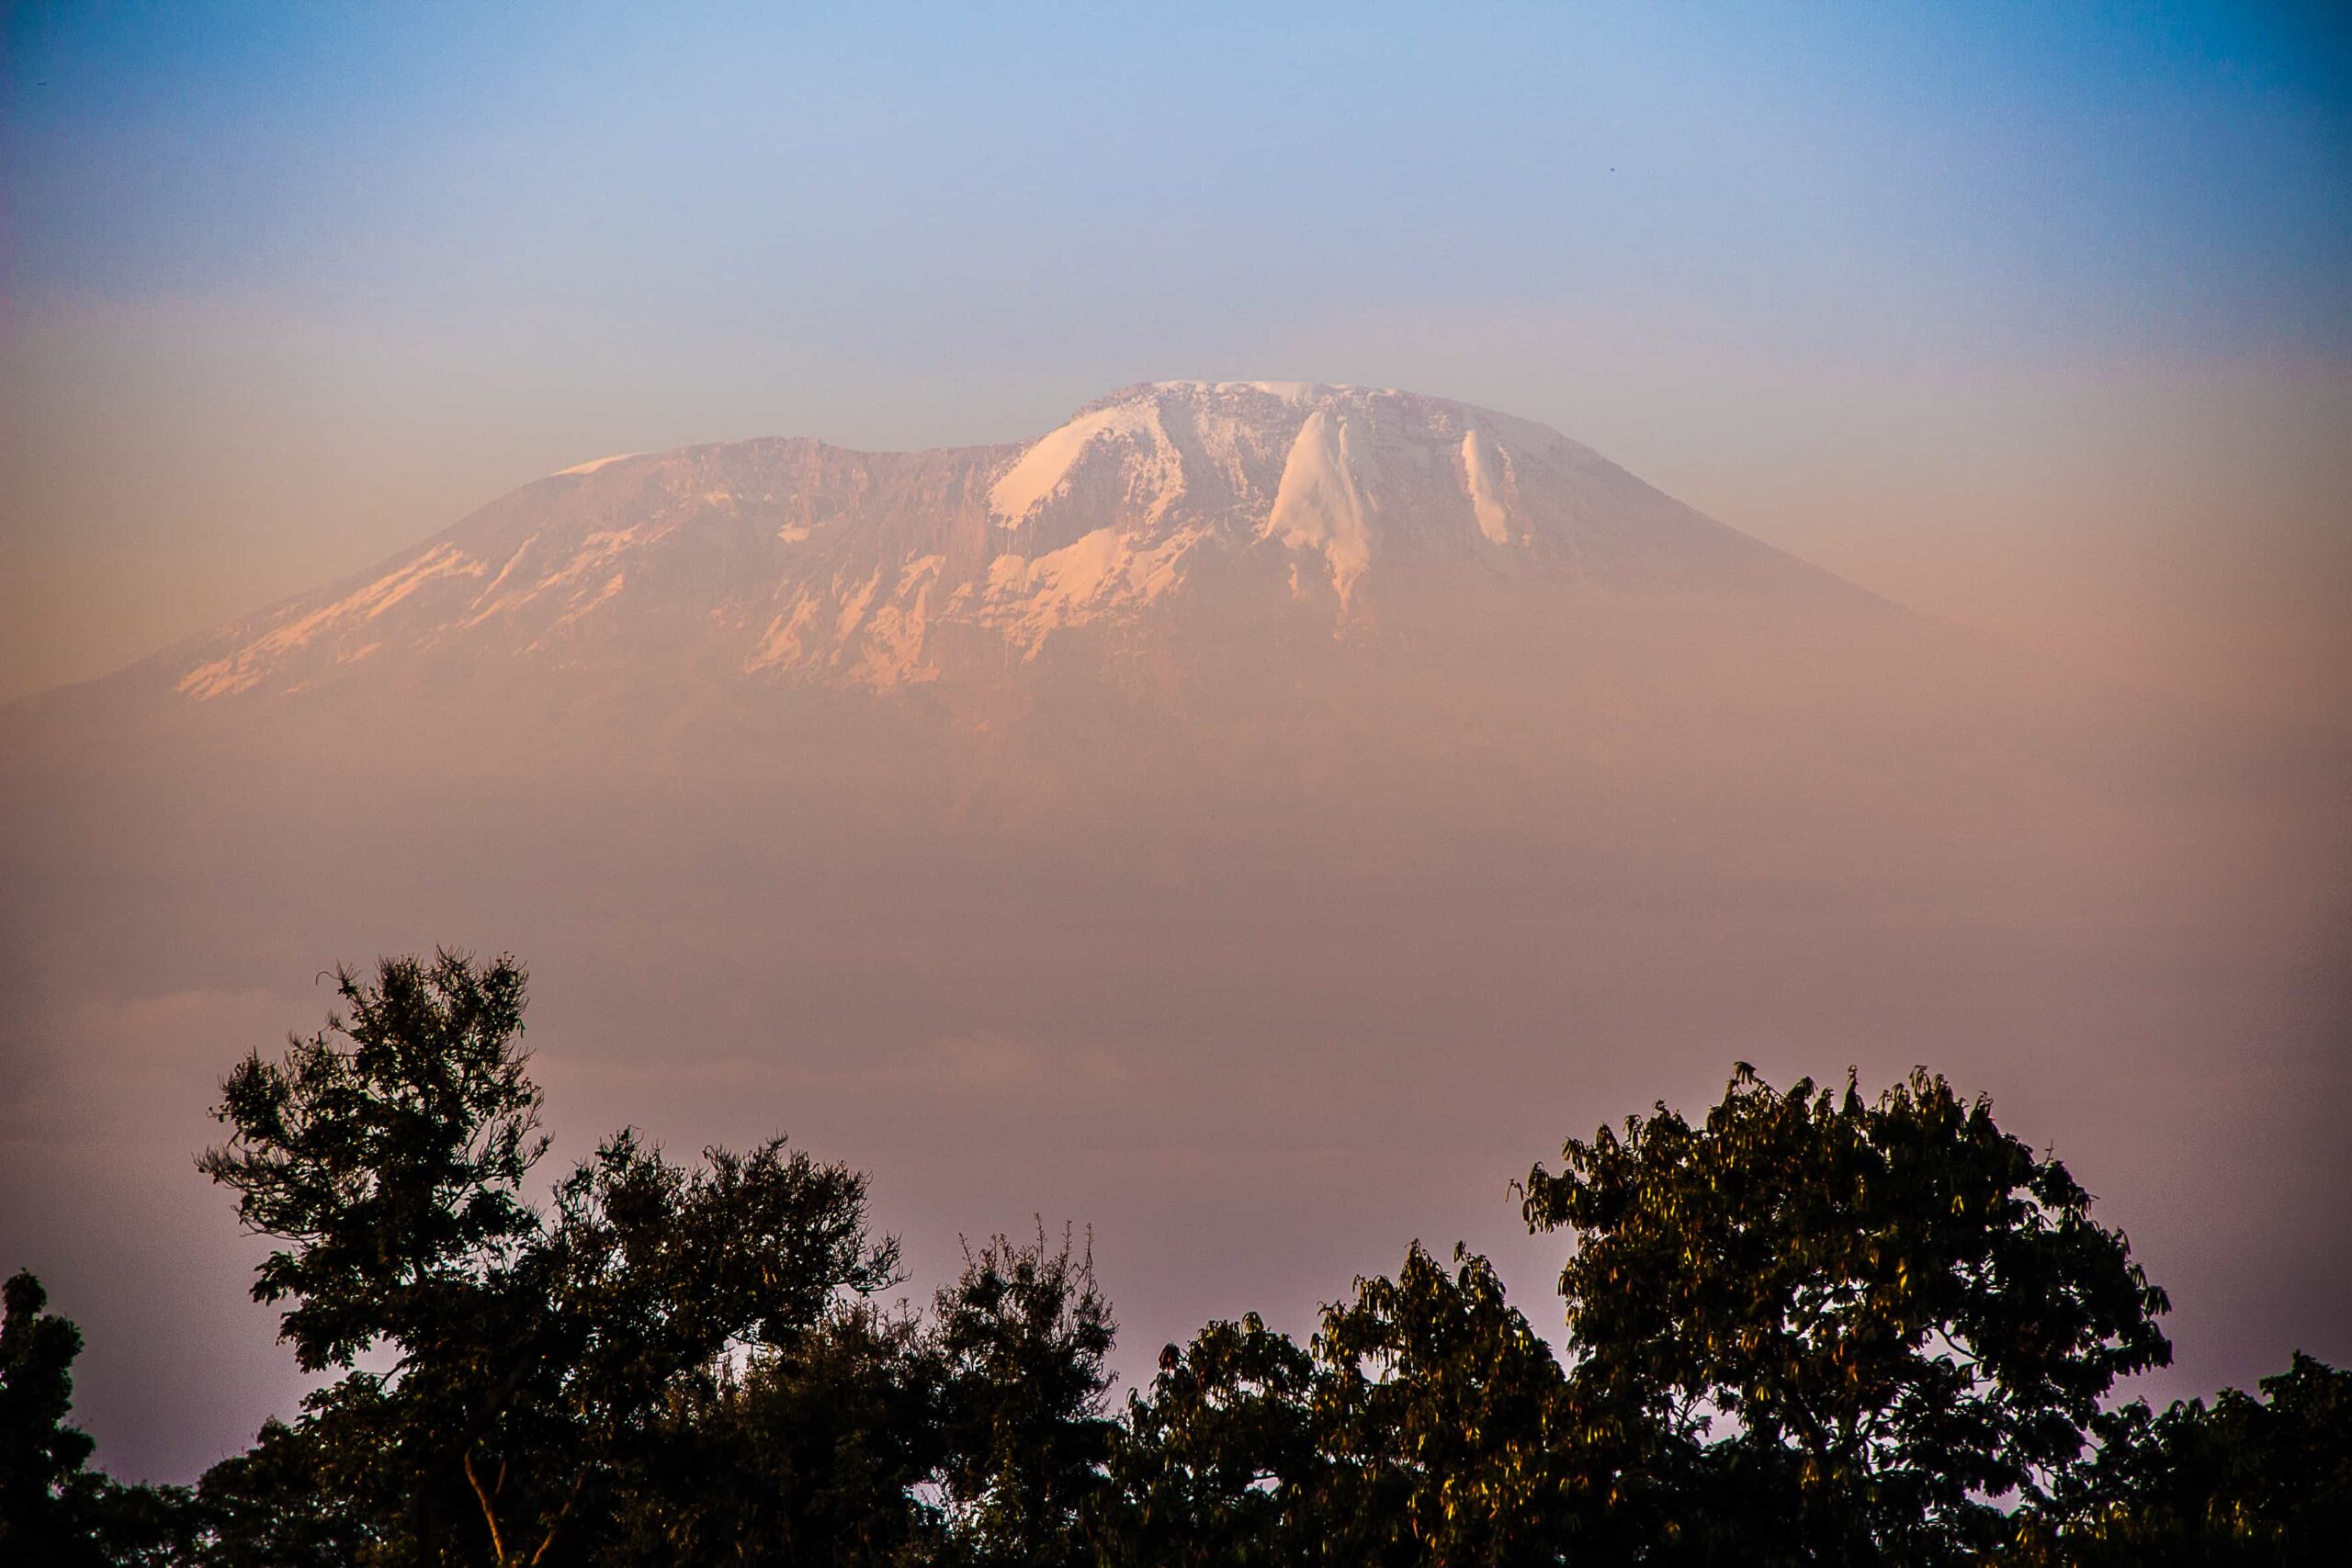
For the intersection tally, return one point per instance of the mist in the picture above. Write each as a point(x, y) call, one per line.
point(1259, 982)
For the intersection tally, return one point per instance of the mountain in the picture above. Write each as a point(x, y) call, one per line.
point(1228, 507)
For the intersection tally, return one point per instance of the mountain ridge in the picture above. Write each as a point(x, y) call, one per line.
point(1303, 510)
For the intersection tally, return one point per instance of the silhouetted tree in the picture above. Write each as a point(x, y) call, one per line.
point(1899, 1313)
point(2243, 1482)
point(1220, 1463)
point(41, 1478)
point(1428, 1425)
point(54, 1511)
point(818, 1453)
point(532, 1356)
point(1022, 1339)
point(1811, 1330)
point(312, 1496)
point(1444, 1417)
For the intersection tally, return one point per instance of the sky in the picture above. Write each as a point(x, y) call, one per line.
point(2036, 318)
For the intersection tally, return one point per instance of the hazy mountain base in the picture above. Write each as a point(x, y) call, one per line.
point(1250, 973)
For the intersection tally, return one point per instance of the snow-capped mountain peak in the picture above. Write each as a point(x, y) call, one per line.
point(799, 561)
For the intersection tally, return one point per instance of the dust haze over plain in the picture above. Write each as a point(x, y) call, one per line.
point(1256, 819)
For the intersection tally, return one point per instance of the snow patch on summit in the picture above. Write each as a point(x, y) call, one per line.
point(1320, 503)
point(1049, 468)
point(1482, 467)
point(593, 464)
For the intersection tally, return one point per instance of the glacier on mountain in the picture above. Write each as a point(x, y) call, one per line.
point(794, 559)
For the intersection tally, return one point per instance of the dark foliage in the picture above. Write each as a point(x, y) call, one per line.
point(301, 1496)
point(42, 1479)
point(1446, 1422)
point(1220, 1463)
point(535, 1357)
point(388, 1151)
point(54, 1511)
point(817, 1453)
point(2244, 1482)
point(1022, 1339)
point(1901, 1314)
point(1811, 1330)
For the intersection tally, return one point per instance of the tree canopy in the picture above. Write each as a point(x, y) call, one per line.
point(1810, 1328)
point(1903, 1317)
point(2245, 1480)
point(41, 1456)
point(534, 1355)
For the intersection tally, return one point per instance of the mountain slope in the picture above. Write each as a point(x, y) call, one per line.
point(1250, 505)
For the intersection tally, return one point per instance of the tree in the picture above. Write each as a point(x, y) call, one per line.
point(532, 1356)
point(1447, 1424)
point(1022, 1339)
point(1900, 1313)
point(2244, 1482)
point(816, 1454)
point(1218, 1464)
point(302, 1496)
point(41, 1456)
point(54, 1510)
point(1426, 1425)
point(389, 1149)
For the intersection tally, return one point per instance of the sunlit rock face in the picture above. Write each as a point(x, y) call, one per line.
point(1301, 507)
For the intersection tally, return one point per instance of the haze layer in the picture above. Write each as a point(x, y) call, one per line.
point(1257, 819)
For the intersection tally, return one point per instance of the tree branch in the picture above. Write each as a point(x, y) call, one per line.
point(489, 1514)
point(578, 1485)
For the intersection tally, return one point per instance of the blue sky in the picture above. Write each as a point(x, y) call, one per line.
point(2079, 175)
point(287, 286)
